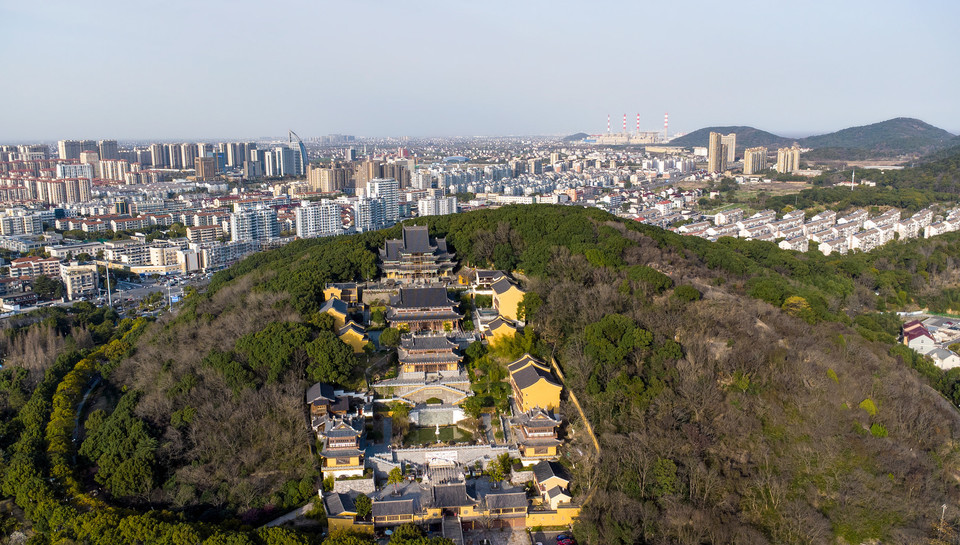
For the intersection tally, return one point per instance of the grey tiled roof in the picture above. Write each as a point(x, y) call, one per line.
point(425, 342)
point(391, 250)
point(537, 417)
point(335, 304)
point(484, 274)
point(501, 286)
point(506, 500)
point(451, 495)
point(547, 469)
point(318, 391)
point(497, 322)
point(383, 508)
point(530, 375)
point(556, 491)
point(341, 453)
point(338, 503)
point(514, 366)
point(351, 325)
point(422, 298)
point(416, 239)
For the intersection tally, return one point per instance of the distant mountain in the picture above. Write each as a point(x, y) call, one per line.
point(747, 137)
point(898, 136)
point(894, 136)
point(575, 137)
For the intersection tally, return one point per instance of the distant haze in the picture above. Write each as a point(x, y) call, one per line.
point(231, 68)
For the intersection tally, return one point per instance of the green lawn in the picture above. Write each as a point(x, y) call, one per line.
point(427, 436)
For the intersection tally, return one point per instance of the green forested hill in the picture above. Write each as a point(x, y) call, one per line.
point(937, 172)
point(741, 393)
point(892, 137)
point(898, 135)
point(747, 137)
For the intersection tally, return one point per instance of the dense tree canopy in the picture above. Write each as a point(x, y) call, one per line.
point(733, 416)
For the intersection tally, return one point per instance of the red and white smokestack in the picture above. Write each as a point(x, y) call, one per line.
point(624, 122)
point(638, 123)
point(608, 122)
point(666, 117)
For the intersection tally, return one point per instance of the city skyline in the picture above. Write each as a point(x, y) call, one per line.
point(224, 70)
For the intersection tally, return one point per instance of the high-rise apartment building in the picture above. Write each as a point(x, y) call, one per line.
point(438, 206)
point(255, 224)
point(387, 189)
point(188, 155)
point(59, 192)
point(535, 166)
point(318, 219)
point(108, 150)
point(206, 168)
point(788, 159)
point(32, 152)
point(252, 170)
point(270, 164)
point(399, 171)
point(327, 180)
point(754, 160)
point(286, 162)
point(231, 151)
point(69, 149)
point(114, 170)
point(158, 157)
point(716, 153)
point(27, 224)
point(91, 157)
point(172, 154)
point(82, 170)
point(730, 140)
point(366, 171)
point(367, 214)
point(144, 157)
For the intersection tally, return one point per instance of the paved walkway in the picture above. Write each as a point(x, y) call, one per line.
point(297, 513)
point(488, 428)
point(497, 536)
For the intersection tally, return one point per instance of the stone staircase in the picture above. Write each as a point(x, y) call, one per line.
point(452, 529)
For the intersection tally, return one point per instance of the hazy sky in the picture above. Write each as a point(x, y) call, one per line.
point(234, 68)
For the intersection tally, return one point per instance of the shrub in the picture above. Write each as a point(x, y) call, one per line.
point(878, 430)
point(390, 337)
point(686, 293)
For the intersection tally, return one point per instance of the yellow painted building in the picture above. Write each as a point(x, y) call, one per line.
point(564, 515)
point(354, 335)
point(533, 384)
point(341, 452)
point(452, 500)
point(338, 309)
point(342, 514)
point(349, 293)
point(500, 329)
point(506, 298)
point(536, 434)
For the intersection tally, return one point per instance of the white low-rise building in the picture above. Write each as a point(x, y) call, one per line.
point(834, 245)
point(798, 243)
